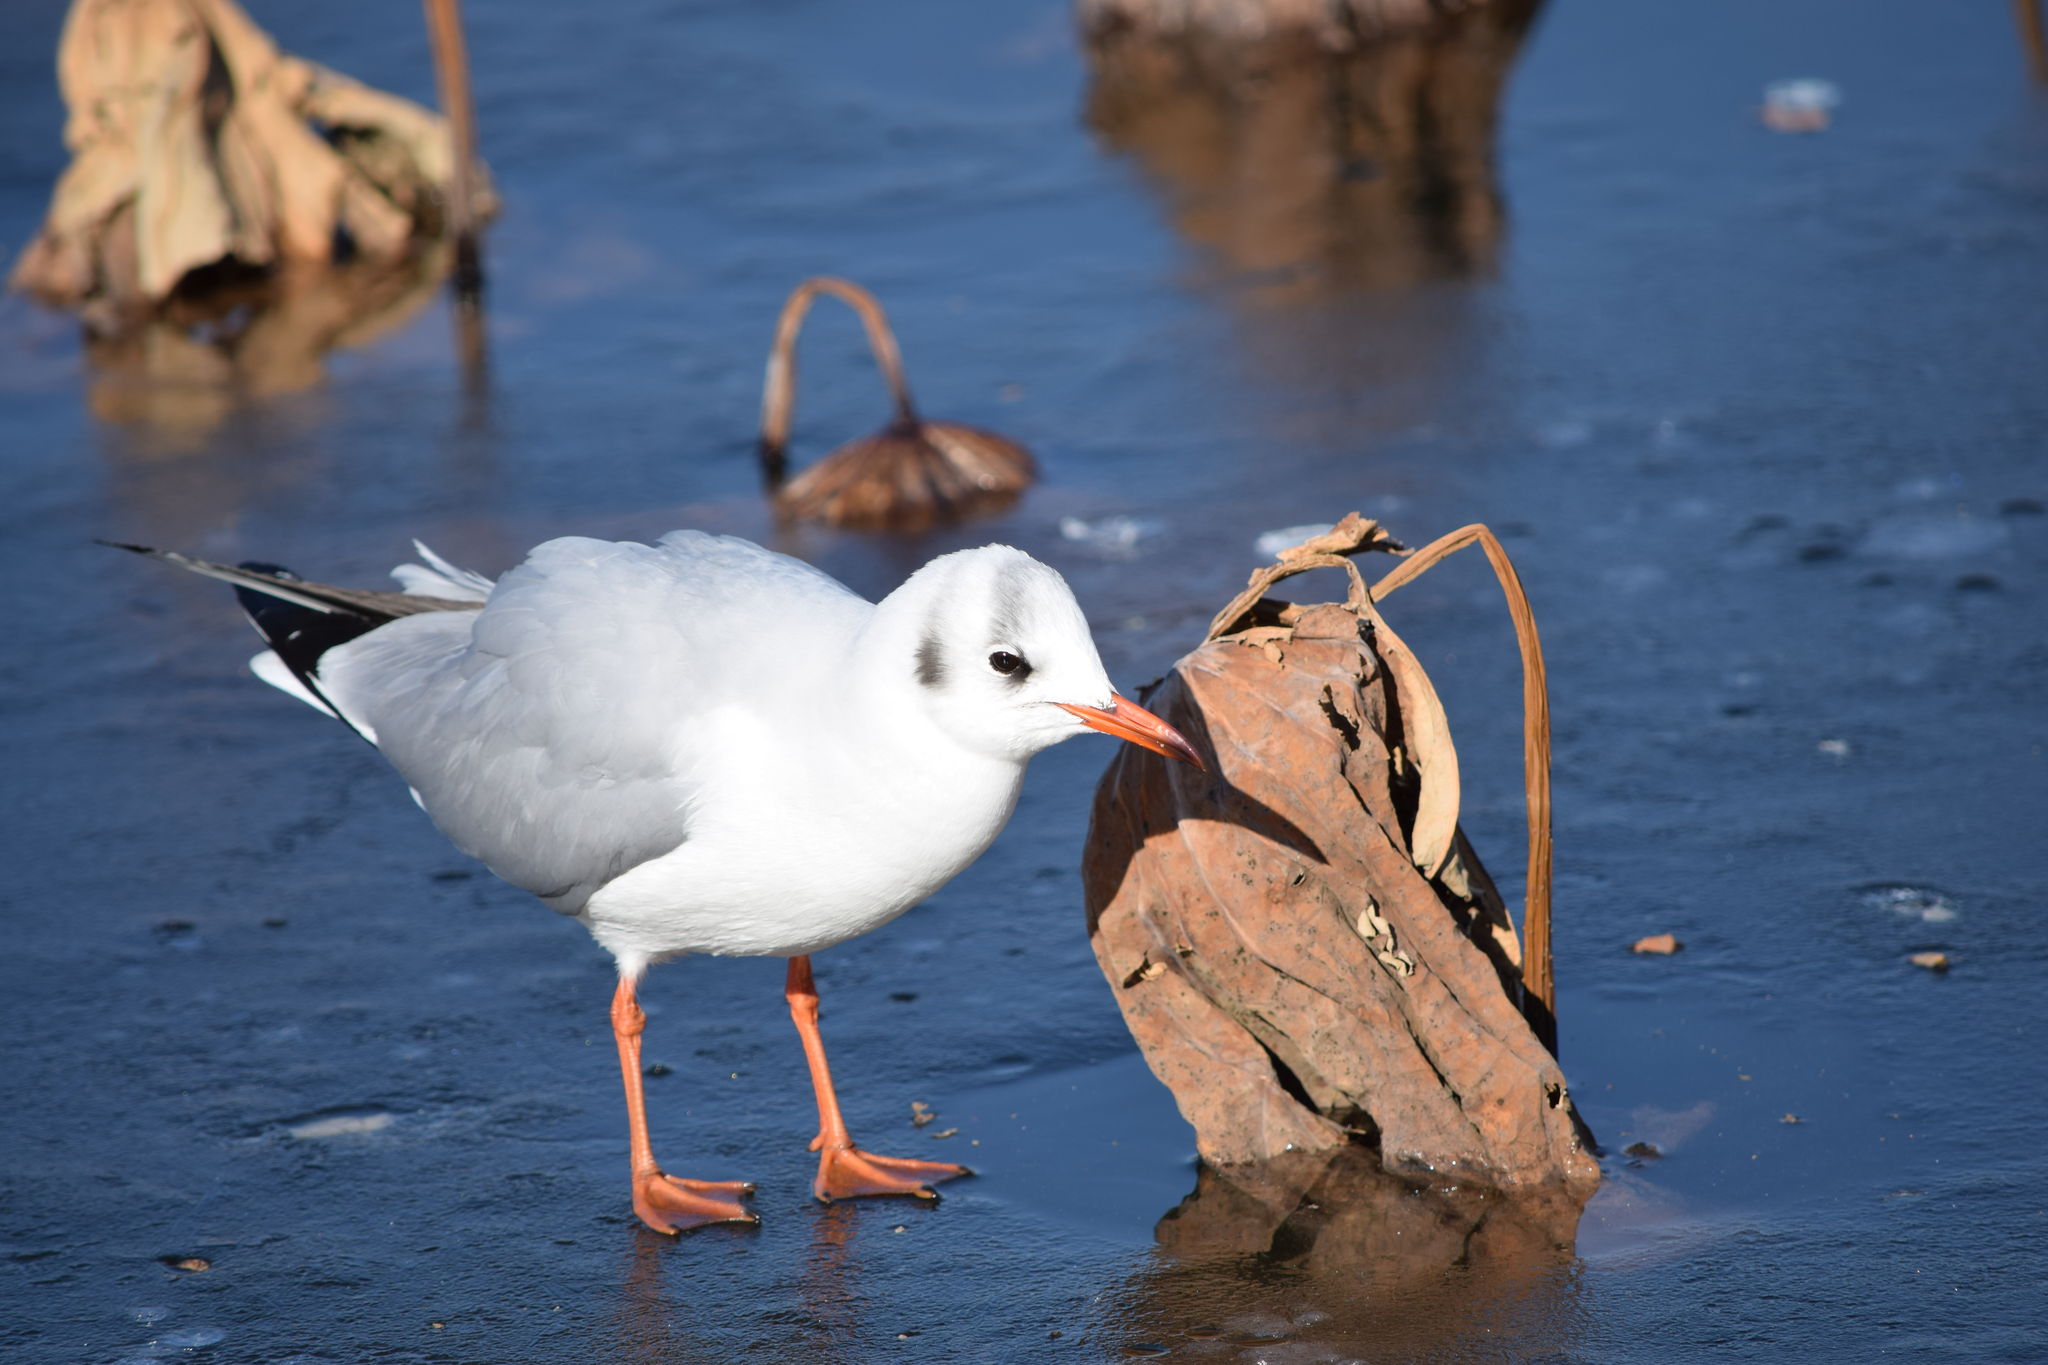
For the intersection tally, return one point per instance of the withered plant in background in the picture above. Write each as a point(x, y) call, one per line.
point(197, 146)
point(910, 474)
point(1304, 944)
point(1316, 145)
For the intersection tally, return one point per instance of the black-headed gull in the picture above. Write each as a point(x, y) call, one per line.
point(702, 746)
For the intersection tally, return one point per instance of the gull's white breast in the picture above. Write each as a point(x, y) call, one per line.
point(798, 841)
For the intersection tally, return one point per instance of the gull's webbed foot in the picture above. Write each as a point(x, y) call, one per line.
point(850, 1173)
point(671, 1204)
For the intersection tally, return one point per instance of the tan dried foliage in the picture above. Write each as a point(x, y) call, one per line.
point(193, 143)
point(1662, 944)
point(910, 474)
point(1301, 939)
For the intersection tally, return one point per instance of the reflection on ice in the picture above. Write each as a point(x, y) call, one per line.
point(180, 374)
point(1328, 1253)
point(1319, 156)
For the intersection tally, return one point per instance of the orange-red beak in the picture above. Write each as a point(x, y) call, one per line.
point(1126, 719)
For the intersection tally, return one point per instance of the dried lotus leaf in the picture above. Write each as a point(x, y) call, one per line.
point(1286, 964)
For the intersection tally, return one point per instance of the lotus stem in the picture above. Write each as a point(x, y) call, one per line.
point(778, 393)
point(451, 79)
point(1538, 986)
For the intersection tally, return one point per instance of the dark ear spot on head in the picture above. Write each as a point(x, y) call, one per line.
point(931, 669)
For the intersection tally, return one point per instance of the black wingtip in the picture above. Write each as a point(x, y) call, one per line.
point(131, 549)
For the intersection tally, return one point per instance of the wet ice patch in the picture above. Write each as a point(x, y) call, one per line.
point(1914, 902)
point(340, 1123)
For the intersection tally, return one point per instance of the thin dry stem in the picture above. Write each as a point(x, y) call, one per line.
point(451, 79)
point(1537, 981)
point(778, 393)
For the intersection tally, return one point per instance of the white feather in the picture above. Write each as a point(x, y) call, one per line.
point(439, 578)
point(272, 670)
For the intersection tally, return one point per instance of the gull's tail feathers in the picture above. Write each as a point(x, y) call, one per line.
point(439, 578)
point(301, 621)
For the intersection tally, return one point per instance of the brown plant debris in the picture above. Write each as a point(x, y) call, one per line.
point(1663, 944)
point(196, 143)
point(921, 1113)
point(910, 474)
point(1933, 962)
point(1302, 940)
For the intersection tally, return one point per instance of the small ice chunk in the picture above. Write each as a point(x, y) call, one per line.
point(341, 1125)
point(1273, 544)
point(1914, 902)
point(1113, 535)
point(1804, 105)
point(1835, 748)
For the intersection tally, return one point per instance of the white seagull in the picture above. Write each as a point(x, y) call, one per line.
point(702, 746)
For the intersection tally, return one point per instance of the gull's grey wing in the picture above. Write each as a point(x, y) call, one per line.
point(550, 734)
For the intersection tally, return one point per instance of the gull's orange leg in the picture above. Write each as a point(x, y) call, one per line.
point(844, 1170)
point(665, 1203)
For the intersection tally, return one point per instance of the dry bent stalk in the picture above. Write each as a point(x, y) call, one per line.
point(912, 472)
point(1302, 940)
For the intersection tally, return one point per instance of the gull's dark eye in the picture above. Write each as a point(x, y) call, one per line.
point(1008, 664)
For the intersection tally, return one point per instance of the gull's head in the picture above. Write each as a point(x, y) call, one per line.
point(1000, 656)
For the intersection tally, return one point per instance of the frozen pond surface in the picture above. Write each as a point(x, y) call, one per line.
point(1763, 417)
